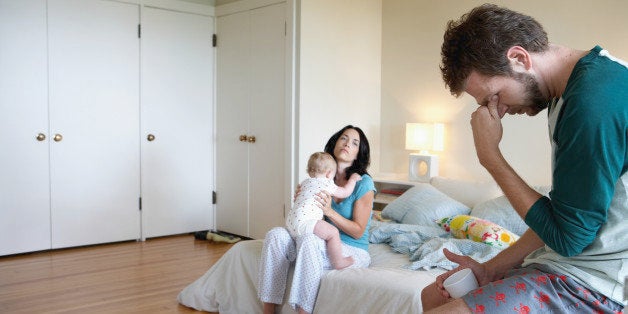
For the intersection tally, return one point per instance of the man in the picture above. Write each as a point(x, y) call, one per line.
point(574, 256)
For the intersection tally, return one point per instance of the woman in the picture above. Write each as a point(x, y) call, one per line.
point(351, 216)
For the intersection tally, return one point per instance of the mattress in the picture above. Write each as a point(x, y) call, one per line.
point(383, 287)
point(229, 286)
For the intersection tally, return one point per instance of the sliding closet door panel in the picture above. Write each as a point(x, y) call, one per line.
point(94, 115)
point(177, 97)
point(24, 184)
point(267, 164)
point(232, 122)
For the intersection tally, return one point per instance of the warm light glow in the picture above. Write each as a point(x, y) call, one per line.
point(425, 136)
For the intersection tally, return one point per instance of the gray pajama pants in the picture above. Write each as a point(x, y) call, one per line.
point(309, 255)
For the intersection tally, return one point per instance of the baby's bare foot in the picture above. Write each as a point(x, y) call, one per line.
point(344, 262)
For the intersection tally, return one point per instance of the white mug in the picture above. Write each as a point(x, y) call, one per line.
point(460, 283)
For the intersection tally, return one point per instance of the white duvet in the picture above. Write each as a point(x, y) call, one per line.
point(230, 285)
point(387, 286)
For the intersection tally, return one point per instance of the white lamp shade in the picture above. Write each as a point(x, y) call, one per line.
point(425, 136)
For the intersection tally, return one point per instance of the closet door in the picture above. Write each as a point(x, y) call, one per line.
point(267, 164)
point(251, 104)
point(177, 122)
point(232, 109)
point(94, 121)
point(24, 181)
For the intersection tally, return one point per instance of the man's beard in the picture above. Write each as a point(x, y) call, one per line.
point(533, 96)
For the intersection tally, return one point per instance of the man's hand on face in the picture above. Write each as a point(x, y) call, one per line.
point(487, 130)
point(492, 108)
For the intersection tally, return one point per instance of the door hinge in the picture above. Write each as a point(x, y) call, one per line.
point(139, 30)
point(214, 40)
point(285, 28)
point(213, 197)
point(140, 203)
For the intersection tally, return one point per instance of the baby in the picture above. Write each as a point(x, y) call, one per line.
point(306, 216)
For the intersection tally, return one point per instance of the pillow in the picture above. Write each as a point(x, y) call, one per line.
point(469, 193)
point(421, 205)
point(478, 230)
point(499, 211)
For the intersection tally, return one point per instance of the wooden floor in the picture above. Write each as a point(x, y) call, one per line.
point(129, 277)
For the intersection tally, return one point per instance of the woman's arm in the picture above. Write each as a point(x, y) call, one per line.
point(361, 214)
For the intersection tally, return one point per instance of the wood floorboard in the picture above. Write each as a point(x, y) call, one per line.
point(129, 277)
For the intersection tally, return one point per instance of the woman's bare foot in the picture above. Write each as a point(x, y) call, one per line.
point(269, 308)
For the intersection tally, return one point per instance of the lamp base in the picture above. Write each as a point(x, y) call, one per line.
point(422, 167)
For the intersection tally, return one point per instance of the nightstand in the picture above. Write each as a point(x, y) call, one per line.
point(389, 186)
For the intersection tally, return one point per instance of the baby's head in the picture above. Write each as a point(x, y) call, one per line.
point(321, 164)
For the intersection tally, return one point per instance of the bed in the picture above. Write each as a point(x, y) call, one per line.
point(406, 253)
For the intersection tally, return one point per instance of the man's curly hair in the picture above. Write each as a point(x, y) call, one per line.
point(480, 39)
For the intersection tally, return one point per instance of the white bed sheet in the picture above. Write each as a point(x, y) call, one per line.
point(384, 287)
point(230, 285)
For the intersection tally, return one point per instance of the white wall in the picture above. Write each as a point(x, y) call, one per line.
point(340, 73)
point(413, 91)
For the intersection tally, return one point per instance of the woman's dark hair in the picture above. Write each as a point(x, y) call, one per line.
point(362, 161)
point(480, 39)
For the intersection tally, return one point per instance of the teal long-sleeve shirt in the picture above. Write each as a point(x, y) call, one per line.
point(590, 153)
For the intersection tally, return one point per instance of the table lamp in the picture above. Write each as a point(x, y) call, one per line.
point(424, 137)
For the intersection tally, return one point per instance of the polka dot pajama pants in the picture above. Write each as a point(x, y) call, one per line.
point(310, 259)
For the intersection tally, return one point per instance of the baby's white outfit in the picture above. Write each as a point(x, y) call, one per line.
point(305, 213)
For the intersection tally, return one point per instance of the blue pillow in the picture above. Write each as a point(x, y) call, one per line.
point(499, 211)
point(422, 205)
